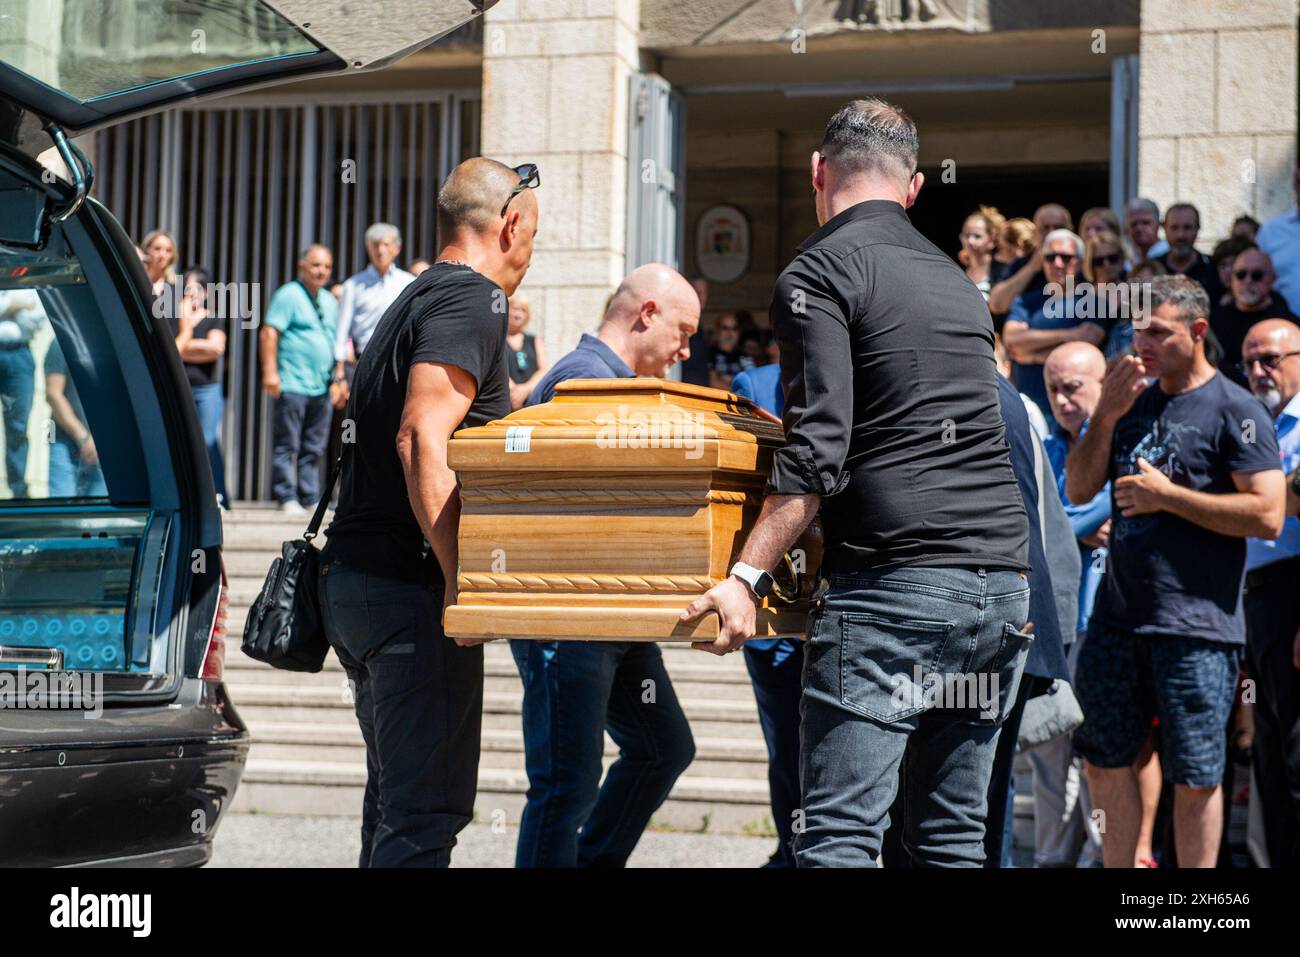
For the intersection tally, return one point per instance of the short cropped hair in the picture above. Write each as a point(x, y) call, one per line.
point(1195, 212)
point(1186, 295)
point(1140, 204)
point(871, 136)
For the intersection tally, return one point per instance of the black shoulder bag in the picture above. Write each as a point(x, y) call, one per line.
point(285, 627)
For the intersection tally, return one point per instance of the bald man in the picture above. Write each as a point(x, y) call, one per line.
point(1270, 357)
point(646, 328)
point(1065, 835)
point(575, 691)
point(434, 364)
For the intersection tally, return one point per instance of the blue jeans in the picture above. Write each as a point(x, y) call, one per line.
point(17, 382)
point(573, 692)
point(209, 403)
point(301, 433)
point(419, 701)
point(775, 666)
point(912, 668)
point(69, 476)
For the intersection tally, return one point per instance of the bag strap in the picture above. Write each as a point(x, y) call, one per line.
point(336, 473)
point(318, 516)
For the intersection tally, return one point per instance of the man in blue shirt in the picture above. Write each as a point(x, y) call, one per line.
point(1043, 318)
point(574, 691)
point(1062, 824)
point(1271, 360)
point(297, 353)
point(1280, 238)
point(775, 665)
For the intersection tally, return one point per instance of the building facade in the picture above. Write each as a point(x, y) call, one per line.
point(680, 131)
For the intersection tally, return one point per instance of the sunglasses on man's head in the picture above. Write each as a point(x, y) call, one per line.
point(1269, 361)
point(1110, 259)
point(529, 178)
point(1254, 275)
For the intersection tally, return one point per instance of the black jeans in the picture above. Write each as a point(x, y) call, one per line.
point(1272, 606)
point(419, 700)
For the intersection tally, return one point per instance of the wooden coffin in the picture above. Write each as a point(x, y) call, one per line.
point(601, 514)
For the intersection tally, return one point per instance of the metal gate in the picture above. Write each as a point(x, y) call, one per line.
point(244, 188)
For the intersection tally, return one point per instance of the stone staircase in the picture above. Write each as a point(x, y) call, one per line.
point(307, 756)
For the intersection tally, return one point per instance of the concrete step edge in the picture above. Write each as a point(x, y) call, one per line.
point(336, 734)
point(491, 780)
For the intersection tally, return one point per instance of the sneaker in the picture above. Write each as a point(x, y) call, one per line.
point(291, 507)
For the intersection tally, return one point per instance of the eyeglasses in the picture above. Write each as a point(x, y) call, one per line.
point(1255, 275)
point(1110, 259)
point(1066, 258)
point(1269, 361)
point(529, 178)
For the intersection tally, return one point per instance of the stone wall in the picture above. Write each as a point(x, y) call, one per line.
point(555, 89)
point(1217, 108)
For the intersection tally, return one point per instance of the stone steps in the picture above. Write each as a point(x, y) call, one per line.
point(697, 803)
point(307, 755)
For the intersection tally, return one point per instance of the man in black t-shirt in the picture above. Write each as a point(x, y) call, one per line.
point(1182, 226)
point(434, 364)
point(1194, 466)
point(1253, 300)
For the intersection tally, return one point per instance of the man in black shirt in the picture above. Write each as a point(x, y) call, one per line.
point(434, 364)
point(894, 432)
point(1253, 299)
point(1182, 226)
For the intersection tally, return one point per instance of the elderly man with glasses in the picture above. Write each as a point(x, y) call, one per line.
point(1271, 364)
point(1044, 317)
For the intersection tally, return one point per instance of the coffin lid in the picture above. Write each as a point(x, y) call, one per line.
point(625, 424)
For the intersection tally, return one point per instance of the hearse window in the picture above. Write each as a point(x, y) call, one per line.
point(79, 546)
point(99, 48)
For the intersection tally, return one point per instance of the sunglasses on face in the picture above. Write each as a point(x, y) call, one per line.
point(1254, 275)
point(1110, 259)
point(1065, 258)
point(1269, 361)
point(529, 178)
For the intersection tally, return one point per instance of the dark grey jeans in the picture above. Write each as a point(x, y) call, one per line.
point(419, 701)
point(914, 665)
point(300, 433)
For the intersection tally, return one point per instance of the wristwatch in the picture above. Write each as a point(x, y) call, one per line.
point(759, 581)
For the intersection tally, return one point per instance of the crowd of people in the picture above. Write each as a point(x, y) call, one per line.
point(1080, 468)
point(1186, 368)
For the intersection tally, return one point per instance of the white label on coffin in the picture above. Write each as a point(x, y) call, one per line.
point(519, 438)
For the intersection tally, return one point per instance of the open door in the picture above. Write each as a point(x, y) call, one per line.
point(656, 197)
